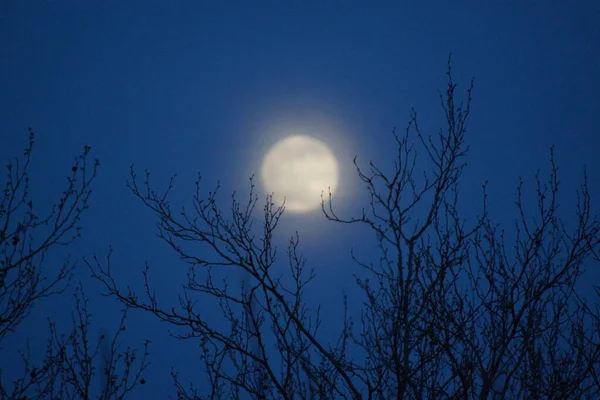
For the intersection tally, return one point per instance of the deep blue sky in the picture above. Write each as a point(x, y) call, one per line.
point(181, 87)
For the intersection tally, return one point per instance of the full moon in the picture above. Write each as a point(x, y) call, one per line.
point(299, 168)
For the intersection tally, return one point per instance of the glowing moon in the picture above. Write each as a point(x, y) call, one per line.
point(299, 168)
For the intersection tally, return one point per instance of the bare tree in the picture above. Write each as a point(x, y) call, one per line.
point(233, 365)
point(77, 367)
point(450, 311)
point(24, 276)
point(121, 367)
point(67, 368)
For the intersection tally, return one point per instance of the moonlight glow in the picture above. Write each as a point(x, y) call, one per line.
point(299, 168)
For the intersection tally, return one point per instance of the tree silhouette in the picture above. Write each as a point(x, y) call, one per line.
point(67, 368)
point(451, 309)
point(23, 277)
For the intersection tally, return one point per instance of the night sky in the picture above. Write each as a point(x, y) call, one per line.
point(187, 87)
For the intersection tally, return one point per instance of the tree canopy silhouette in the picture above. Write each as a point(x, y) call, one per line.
point(28, 275)
point(451, 308)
